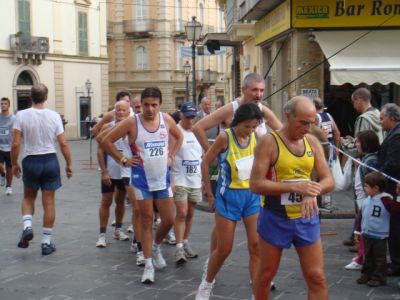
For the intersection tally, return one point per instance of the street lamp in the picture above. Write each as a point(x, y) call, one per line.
point(193, 31)
point(186, 69)
point(88, 85)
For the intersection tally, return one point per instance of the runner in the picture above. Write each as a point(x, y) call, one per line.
point(113, 178)
point(234, 149)
point(283, 163)
point(148, 136)
point(6, 124)
point(39, 128)
point(186, 177)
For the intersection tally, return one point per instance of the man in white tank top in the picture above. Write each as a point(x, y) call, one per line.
point(253, 91)
point(186, 178)
point(148, 135)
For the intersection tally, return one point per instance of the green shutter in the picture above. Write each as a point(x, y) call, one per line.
point(24, 22)
point(82, 33)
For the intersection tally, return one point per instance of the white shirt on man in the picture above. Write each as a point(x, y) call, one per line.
point(40, 128)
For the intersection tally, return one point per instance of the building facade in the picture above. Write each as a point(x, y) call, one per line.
point(324, 49)
point(62, 44)
point(146, 46)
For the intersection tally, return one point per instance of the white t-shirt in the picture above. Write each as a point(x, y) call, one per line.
point(40, 128)
point(185, 169)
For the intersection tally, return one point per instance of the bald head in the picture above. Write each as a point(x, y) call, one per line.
point(122, 110)
point(298, 105)
point(206, 105)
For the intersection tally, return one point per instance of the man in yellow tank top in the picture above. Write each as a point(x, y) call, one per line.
point(283, 162)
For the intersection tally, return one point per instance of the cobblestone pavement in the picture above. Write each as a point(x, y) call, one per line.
point(79, 270)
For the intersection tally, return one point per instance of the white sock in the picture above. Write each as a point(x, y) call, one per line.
point(156, 246)
point(148, 262)
point(185, 243)
point(27, 221)
point(47, 233)
point(179, 245)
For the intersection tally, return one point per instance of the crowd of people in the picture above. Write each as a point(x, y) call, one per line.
point(270, 174)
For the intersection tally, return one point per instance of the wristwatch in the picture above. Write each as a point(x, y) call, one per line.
point(123, 160)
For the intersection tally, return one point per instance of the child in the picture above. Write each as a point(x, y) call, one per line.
point(374, 217)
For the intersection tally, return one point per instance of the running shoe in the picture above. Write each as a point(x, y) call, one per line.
point(180, 257)
point(101, 242)
point(189, 252)
point(158, 259)
point(113, 223)
point(170, 238)
point(353, 266)
point(156, 223)
point(204, 291)
point(120, 235)
point(9, 190)
point(130, 229)
point(134, 247)
point(48, 249)
point(205, 271)
point(140, 259)
point(148, 274)
point(26, 236)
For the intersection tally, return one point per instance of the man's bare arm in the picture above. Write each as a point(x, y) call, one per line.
point(15, 148)
point(107, 118)
point(66, 152)
point(176, 135)
point(215, 118)
point(271, 119)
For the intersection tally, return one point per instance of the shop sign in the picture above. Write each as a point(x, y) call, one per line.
point(276, 22)
point(310, 93)
point(349, 13)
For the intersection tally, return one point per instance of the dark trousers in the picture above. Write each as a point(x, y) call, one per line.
point(375, 266)
point(394, 242)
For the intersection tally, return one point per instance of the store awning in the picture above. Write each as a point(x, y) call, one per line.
point(373, 58)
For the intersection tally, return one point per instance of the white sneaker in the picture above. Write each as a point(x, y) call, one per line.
point(134, 247)
point(8, 190)
point(130, 229)
point(148, 275)
point(120, 235)
point(101, 242)
point(170, 238)
point(113, 223)
point(156, 223)
point(140, 259)
point(204, 291)
point(158, 259)
point(353, 266)
point(2, 180)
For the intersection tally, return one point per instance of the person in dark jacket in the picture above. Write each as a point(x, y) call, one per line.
point(389, 161)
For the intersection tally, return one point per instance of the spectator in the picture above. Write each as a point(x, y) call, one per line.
point(205, 110)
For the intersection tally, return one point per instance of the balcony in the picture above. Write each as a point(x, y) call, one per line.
point(237, 30)
point(29, 49)
point(256, 9)
point(140, 27)
point(207, 76)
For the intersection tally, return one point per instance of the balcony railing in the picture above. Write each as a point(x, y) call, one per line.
point(207, 76)
point(28, 48)
point(139, 26)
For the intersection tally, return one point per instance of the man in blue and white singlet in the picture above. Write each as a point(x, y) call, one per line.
point(148, 134)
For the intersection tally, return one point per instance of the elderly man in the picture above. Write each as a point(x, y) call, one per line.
point(253, 91)
point(283, 163)
point(389, 161)
point(205, 110)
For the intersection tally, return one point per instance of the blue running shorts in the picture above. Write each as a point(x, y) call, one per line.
point(41, 172)
point(235, 204)
point(155, 195)
point(282, 232)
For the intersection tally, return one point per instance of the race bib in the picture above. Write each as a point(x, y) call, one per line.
point(155, 150)
point(191, 167)
point(4, 131)
point(244, 166)
point(292, 198)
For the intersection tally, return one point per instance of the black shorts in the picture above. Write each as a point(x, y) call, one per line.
point(5, 158)
point(115, 183)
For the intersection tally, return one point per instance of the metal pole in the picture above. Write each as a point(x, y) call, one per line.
point(89, 131)
point(194, 72)
point(187, 88)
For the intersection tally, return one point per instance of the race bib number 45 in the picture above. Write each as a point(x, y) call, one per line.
point(292, 198)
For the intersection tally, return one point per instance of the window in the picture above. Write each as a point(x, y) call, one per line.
point(24, 17)
point(178, 10)
point(141, 9)
point(141, 58)
point(82, 33)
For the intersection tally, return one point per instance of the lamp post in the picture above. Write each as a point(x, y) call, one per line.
point(193, 32)
point(88, 85)
point(186, 69)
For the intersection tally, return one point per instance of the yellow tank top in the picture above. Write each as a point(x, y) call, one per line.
point(235, 162)
point(288, 166)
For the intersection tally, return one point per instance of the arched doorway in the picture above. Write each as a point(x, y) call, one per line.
point(24, 83)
